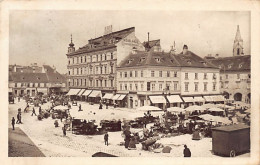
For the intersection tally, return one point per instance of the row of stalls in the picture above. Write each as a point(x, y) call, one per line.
point(184, 101)
point(96, 96)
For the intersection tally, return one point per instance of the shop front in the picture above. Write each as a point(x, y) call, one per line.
point(95, 96)
point(79, 95)
point(189, 101)
point(174, 100)
point(199, 100)
point(85, 95)
point(73, 94)
point(158, 101)
point(107, 98)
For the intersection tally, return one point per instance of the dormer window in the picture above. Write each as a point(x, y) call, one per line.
point(229, 66)
point(157, 59)
point(129, 61)
point(38, 78)
point(240, 65)
point(142, 59)
point(189, 61)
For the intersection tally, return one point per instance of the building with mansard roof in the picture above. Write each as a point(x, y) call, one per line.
point(92, 67)
point(32, 80)
point(166, 79)
point(235, 72)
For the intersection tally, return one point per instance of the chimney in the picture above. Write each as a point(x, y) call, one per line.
point(217, 55)
point(185, 49)
point(14, 67)
point(172, 51)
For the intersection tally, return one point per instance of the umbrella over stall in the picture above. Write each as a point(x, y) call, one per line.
point(195, 108)
point(148, 108)
point(175, 109)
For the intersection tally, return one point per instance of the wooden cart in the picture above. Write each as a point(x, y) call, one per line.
point(231, 140)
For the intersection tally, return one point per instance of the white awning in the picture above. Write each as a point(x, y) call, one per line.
point(208, 98)
point(174, 99)
point(198, 99)
point(121, 97)
point(42, 90)
point(108, 96)
point(218, 98)
point(95, 94)
point(73, 92)
point(86, 93)
point(188, 99)
point(157, 99)
point(115, 97)
point(81, 92)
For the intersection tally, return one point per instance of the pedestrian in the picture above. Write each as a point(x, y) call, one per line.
point(106, 138)
point(107, 105)
point(80, 107)
point(18, 98)
point(186, 151)
point(18, 116)
point(64, 130)
point(33, 112)
point(40, 110)
point(13, 122)
point(100, 105)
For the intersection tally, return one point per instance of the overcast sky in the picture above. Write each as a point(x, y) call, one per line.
point(43, 36)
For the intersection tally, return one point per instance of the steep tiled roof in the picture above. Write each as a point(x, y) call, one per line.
point(144, 58)
point(234, 63)
point(105, 41)
point(28, 77)
point(189, 59)
point(53, 76)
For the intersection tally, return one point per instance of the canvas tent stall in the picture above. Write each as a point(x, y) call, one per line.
point(95, 96)
point(174, 100)
point(73, 93)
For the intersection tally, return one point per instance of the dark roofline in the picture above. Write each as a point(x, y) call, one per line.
point(127, 29)
point(80, 51)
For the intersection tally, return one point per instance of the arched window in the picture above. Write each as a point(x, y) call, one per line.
point(238, 52)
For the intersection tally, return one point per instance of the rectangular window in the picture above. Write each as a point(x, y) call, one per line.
point(175, 74)
point(112, 83)
point(160, 87)
point(142, 87)
point(101, 57)
point(168, 86)
point(186, 76)
point(205, 76)
point(249, 75)
point(15, 85)
point(106, 70)
point(85, 58)
point(160, 73)
point(96, 83)
point(101, 70)
point(125, 74)
point(112, 56)
point(186, 87)
point(126, 87)
point(214, 76)
point(238, 76)
point(136, 87)
point(220, 77)
point(214, 86)
point(105, 83)
point(148, 86)
point(96, 70)
point(131, 74)
point(153, 87)
point(152, 73)
point(142, 74)
point(226, 84)
point(97, 57)
point(121, 87)
point(196, 87)
point(175, 86)
point(205, 86)
point(120, 74)
point(226, 76)
point(222, 85)
point(136, 73)
point(168, 73)
point(101, 83)
point(130, 87)
point(90, 58)
point(112, 69)
point(196, 76)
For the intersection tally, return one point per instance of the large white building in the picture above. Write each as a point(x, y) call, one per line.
point(158, 78)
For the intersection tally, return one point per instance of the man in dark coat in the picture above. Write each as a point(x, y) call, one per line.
point(40, 110)
point(13, 122)
point(64, 130)
point(33, 112)
point(20, 118)
point(106, 138)
point(80, 107)
point(186, 151)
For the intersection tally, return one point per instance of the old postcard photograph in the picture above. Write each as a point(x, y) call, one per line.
point(159, 82)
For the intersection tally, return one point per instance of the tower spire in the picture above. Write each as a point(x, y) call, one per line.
point(238, 44)
point(71, 43)
point(71, 47)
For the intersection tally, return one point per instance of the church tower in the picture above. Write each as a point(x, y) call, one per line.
point(71, 47)
point(238, 44)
